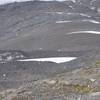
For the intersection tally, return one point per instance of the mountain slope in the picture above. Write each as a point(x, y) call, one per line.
point(35, 25)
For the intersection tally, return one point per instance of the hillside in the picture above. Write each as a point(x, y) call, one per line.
point(33, 30)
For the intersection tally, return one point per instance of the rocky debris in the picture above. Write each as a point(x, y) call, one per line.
point(11, 55)
point(80, 84)
point(41, 80)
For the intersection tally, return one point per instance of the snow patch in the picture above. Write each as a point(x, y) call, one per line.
point(63, 21)
point(85, 20)
point(80, 32)
point(92, 21)
point(85, 15)
point(51, 59)
point(59, 12)
point(53, 0)
point(11, 1)
point(81, 14)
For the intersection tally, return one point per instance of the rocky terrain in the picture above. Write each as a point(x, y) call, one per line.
point(38, 29)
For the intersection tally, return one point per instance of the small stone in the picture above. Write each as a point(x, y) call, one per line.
point(50, 81)
point(4, 75)
point(92, 80)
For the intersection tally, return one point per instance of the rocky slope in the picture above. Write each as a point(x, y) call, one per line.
point(38, 29)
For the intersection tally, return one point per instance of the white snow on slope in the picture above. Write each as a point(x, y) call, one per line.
point(10, 1)
point(51, 59)
point(53, 0)
point(85, 20)
point(60, 13)
point(92, 21)
point(79, 14)
point(63, 22)
point(79, 32)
